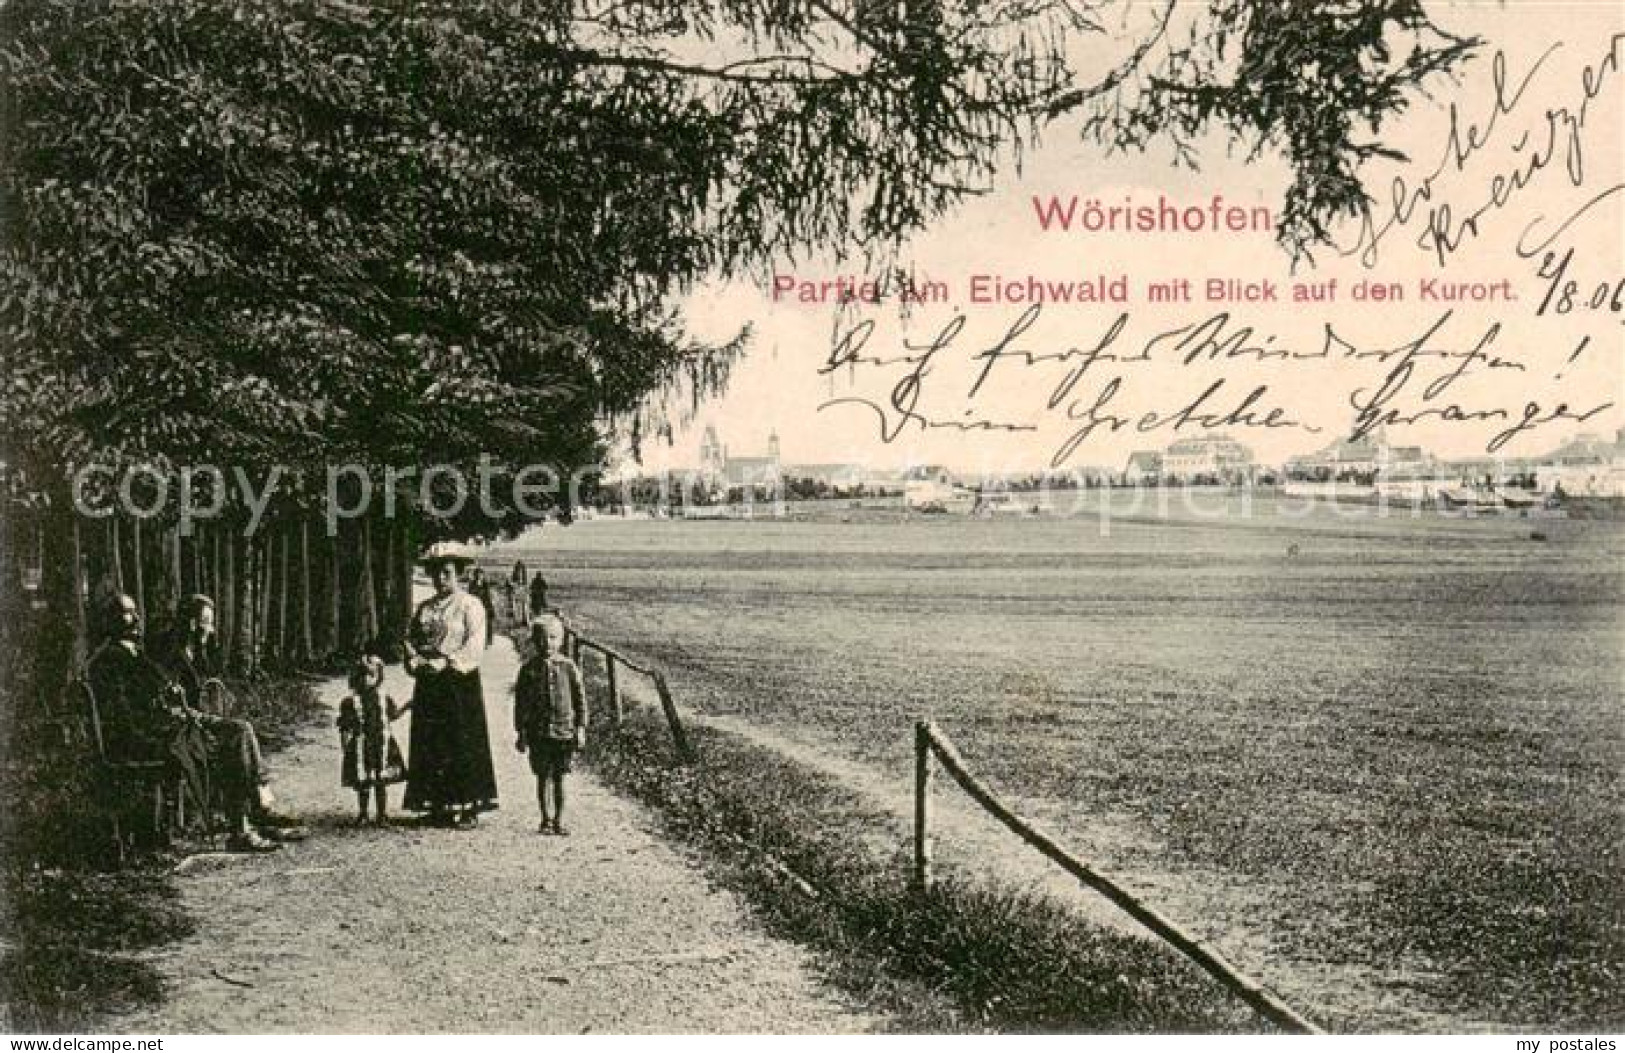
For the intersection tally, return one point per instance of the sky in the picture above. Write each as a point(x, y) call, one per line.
point(1506, 113)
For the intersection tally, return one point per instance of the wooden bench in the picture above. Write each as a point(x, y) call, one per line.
point(139, 796)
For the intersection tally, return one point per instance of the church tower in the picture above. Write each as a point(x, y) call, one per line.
point(773, 446)
point(712, 458)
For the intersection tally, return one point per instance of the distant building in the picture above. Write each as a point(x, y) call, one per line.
point(1587, 465)
point(1363, 458)
point(713, 455)
point(1491, 471)
point(929, 485)
point(834, 476)
point(1207, 457)
point(885, 480)
point(1144, 466)
point(724, 472)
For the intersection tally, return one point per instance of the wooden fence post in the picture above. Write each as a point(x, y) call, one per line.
point(1243, 986)
point(614, 689)
point(922, 806)
point(678, 735)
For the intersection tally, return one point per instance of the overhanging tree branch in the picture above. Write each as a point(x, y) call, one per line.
point(1112, 81)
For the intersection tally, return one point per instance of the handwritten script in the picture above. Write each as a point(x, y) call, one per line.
point(1086, 385)
point(1541, 145)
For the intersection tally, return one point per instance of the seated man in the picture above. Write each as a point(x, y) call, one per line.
point(143, 713)
point(240, 778)
point(187, 651)
point(146, 709)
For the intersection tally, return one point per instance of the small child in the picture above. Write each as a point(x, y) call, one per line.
point(550, 719)
point(372, 758)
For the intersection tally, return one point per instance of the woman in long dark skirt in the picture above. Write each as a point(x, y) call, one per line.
point(451, 777)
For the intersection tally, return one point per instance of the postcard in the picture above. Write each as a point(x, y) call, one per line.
point(932, 517)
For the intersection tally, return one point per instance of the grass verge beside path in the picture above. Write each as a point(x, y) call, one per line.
point(805, 852)
point(72, 930)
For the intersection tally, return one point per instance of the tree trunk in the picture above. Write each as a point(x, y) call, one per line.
point(93, 550)
point(265, 637)
point(57, 637)
point(113, 546)
point(366, 595)
point(335, 597)
point(243, 592)
point(225, 548)
point(389, 555)
point(403, 583)
point(276, 599)
point(177, 578)
point(253, 625)
point(199, 583)
point(140, 570)
point(254, 601)
point(81, 624)
point(307, 650)
point(282, 593)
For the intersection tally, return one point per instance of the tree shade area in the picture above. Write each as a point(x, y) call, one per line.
point(298, 234)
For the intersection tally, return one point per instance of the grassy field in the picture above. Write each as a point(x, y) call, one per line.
point(1389, 762)
point(967, 957)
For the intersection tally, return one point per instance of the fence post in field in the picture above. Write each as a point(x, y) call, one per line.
point(678, 735)
point(1247, 989)
point(614, 689)
point(922, 806)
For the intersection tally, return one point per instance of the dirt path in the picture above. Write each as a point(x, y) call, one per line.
point(490, 930)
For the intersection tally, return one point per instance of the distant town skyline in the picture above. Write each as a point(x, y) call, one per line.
point(836, 415)
point(744, 463)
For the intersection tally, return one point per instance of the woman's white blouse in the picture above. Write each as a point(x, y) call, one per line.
point(455, 626)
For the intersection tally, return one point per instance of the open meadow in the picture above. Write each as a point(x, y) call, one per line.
point(1381, 756)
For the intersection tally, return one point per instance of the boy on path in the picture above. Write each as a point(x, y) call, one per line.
point(550, 720)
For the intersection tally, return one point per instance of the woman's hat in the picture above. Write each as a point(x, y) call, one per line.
point(446, 552)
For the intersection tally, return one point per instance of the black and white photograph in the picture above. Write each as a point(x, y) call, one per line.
point(812, 517)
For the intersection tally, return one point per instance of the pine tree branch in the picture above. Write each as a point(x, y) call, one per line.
point(1078, 96)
